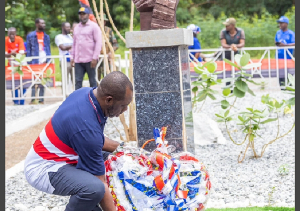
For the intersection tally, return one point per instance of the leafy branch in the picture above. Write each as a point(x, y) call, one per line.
point(206, 79)
point(240, 84)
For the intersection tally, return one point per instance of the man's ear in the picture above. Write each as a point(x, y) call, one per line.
point(109, 100)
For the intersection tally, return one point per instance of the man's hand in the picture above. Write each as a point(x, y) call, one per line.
point(110, 145)
point(107, 202)
point(93, 63)
point(233, 47)
point(72, 63)
point(14, 52)
point(282, 44)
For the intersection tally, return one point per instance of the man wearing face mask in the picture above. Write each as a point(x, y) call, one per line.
point(38, 44)
point(64, 43)
point(67, 158)
point(87, 42)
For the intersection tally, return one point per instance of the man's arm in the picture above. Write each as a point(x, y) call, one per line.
point(107, 202)
point(197, 55)
point(60, 44)
point(65, 48)
point(242, 40)
point(98, 44)
point(28, 50)
point(110, 145)
point(224, 44)
point(282, 44)
point(114, 41)
point(72, 53)
point(242, 44)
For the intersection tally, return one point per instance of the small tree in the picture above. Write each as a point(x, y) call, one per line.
point(251, 121)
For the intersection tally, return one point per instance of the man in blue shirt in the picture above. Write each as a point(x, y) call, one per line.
point(284, 37)
point(197, 46)
point(38, 44)
point(67, 158)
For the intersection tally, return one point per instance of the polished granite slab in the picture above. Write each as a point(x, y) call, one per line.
point(163, 95)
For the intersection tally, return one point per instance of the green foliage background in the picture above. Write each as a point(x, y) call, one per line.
point(258, 31)
point(256, 17)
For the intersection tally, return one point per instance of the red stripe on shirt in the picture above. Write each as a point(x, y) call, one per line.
point(41, 150)
point(56, 141)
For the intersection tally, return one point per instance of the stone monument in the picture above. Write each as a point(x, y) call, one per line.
point(161, 74)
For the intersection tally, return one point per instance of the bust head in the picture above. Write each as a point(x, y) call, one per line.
point(157, 14)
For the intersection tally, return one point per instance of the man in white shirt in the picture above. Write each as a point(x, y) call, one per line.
point(64, 43)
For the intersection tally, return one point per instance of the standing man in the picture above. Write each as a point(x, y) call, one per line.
point(86, 48)
point(232, 37)
point(284, 37)
point(113, 41)
point(67, 158)
point(197, 46)
point(14, 44)
point(38, 44)
point(64, 42)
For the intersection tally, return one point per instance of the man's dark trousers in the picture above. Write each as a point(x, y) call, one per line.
point(80, 70)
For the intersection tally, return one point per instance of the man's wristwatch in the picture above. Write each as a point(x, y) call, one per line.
point(122, 143)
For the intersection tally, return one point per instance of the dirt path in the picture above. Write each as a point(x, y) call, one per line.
point(18, 144)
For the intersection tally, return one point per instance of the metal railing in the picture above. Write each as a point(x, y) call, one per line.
point(36, 78)
point(256, 69)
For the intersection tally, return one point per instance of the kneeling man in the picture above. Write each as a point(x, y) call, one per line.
point(67, 158)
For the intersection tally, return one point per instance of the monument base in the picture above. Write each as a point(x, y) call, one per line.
point(162, 85)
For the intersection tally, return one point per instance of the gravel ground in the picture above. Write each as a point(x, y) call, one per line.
point(251, 182)
point(15, 112)
point(233, 184)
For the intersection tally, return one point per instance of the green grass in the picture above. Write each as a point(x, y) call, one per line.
point(54, 51)
point(121, 50)
point(254, 209)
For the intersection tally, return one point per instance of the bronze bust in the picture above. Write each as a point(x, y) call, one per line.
point(157, 14)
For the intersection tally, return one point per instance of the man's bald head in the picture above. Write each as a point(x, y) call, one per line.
point(11, 29)
point(115, 84)
point(114, 93)
point(12, 32)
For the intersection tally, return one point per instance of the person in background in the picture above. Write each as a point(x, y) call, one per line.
point(73, 27)
point(87, 42)
point(113, 41)
point(14, 45)
point(64, 42)
point(284, 37)
point(197, 46)
point(38, 44)
point(232, 37)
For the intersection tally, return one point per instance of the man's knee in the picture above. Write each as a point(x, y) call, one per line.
point(95, 190)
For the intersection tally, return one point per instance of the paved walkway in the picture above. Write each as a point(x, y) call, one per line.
point(18, 144)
